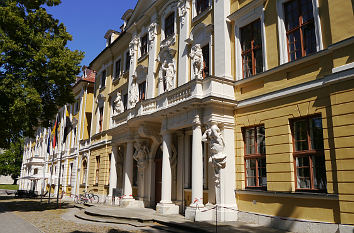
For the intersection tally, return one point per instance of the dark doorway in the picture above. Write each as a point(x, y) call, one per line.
point(158, 175)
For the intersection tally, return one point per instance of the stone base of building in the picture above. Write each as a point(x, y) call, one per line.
point(167, 208)
point(294, 225)
point(209, 213)
point(131, 203)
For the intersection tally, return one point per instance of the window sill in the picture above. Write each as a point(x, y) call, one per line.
point(302, 195)
point(141, 58)
point(201, 15)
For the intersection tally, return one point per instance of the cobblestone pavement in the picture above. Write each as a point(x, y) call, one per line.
point(49, 219)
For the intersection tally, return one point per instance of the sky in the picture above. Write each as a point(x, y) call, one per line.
point(88, 21)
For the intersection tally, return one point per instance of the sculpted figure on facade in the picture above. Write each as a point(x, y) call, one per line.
point(118, 104)
point(216, 143)
point(133, 93)
point(169, 71)
point(140, 154)
point(196, 55)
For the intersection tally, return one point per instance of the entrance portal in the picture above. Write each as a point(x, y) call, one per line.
point(158, 175)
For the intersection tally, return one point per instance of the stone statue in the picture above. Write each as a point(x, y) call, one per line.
point(140, 154)
point(169, 70)
point(197, 61)
point(133, 93)
point(216, 142)
point(118, 104)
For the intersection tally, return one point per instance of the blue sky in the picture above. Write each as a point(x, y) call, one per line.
point(88, 21)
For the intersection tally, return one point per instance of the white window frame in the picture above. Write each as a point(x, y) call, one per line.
point(114, 67)
point(283, 45)
point(143, 32)
point(194, 8)
point(166, 11)
point(247, 16)
point(100, 104)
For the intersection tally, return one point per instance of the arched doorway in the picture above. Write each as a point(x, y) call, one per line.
point(158, 175)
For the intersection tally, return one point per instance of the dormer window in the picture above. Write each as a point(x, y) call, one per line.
point(201, 6)
point(169, 25)
point(144, 45)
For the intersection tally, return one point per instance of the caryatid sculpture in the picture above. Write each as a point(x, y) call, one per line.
point(133, 93)
point(196, 55)
point(216, 142)
point(169, 71)
point(118, 104)
point(140, 154)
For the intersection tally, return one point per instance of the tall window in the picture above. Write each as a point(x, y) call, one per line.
point(103, 79)
point(300, 28)
point(125, 101)
point(205, 51)
point(142, 89)
point(170, 25)
point(84, 171)
point(97, 173)
point(255, 157)
point(71, 173)
point(117, 71)
point(201, 6)
point(109, 168)
point(251, 45)
point(309, 158)
point(144, 45)
point(127, 61)
point(100, 122)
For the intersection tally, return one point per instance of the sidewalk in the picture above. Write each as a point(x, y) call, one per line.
point(146, 216)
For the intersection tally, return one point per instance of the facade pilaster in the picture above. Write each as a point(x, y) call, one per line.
point(128, 172)
point(113, 171)
point(180, 152)
point(133, 52)
point(152, 57)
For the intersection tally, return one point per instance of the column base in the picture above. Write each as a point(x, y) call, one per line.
point(167, 208)
point(209, 213)
point(131, 203)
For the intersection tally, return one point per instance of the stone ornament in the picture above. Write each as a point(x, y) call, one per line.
point(169, 74)
point(140, 154)
point(196, 55)
point(216, 143)
point(133, 93)
point(152, 32)
point(182, 11)
point(118, 104)
point(133, 46)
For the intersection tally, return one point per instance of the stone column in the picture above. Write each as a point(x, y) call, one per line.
point(128, 172)
point(166, 206)
point(197, 165)
point(113, 172)
point(133, 50)
point(180, 164)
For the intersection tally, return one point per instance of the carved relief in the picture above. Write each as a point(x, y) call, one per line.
point(140, 154)
point(133, 46)
point(118, 104)
point(182, 10)
point(216, 143)
point(196, 55)
point(133, 92)
point(152, 32)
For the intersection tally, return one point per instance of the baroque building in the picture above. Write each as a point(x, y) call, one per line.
point(240, 107)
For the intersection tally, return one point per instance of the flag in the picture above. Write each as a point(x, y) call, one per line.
point(68, 126)
point(55, 132)
point(48, 147)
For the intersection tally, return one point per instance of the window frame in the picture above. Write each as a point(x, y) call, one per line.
point(255, 156)
point(127, 59)
point(97, 170)
point(142, 95)
point(166, 11)
point(172, 26)
point(307, 153)
point(103, 78)
point(282, 35)
point(195, 13)
point(117, 74)
point(143, 51)
point(100, 118)
point(244, 17)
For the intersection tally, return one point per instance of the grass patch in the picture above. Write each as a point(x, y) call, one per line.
point(9, 186)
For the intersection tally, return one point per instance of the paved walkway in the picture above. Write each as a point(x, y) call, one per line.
point(11, 223)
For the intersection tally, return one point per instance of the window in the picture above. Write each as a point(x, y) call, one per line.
point(117, 71)
point(142, 88)
point(251, 49)
point(205, 51)
point(100, 122)
point(76, 106)
point(144, 45)
point(300, 28)
point(170, 25)
point(35, 171)
point(109, 168)
point(97, 173)
point(127, 61)
point(103, 79)
point(84, 172)
point(125, 101)
point(310, 170)
point(71, 174)
point(201, 6)
point(255, 157)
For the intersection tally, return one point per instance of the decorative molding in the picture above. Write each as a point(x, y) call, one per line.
point(168, 42)
point(183, 7)
point(152, 30)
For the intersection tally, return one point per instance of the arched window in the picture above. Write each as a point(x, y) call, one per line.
point(84, 172)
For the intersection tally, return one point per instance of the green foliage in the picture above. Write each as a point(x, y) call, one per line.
point(9, 186)
point(11, 160)
point(36, 67)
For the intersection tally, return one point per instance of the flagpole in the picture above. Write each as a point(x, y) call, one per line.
point(51, 176)
point(59, 177)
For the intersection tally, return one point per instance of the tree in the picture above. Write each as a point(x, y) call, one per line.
point(11, 160)
point(36, 68)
